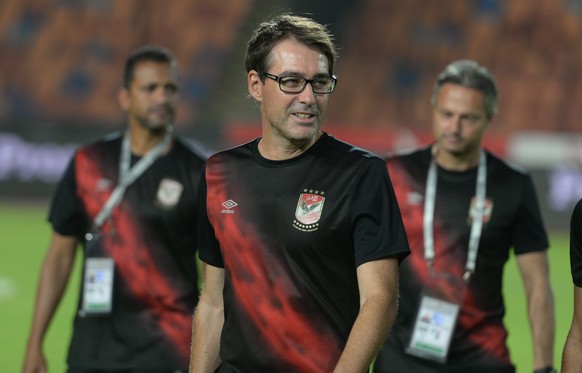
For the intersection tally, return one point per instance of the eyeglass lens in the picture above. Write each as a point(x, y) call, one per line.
point(294, 84)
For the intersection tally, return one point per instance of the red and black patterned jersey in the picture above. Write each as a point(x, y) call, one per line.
point(289, 235)
point(512, 220)
point(151, 235)
point(576, 244)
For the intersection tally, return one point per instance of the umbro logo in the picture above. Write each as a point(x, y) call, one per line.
point(229, 205)
point(414, 198)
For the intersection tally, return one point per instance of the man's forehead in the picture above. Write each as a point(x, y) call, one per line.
point(458, 94)
point(154, 72)
point(292, 55)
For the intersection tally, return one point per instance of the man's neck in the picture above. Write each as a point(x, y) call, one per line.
point(143, 140)
point(454, 162)
point(278, 149)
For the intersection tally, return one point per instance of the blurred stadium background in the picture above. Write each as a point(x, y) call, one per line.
point(61, 62)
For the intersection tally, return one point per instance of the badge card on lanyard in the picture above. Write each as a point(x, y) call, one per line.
point(98, 286)
point(98, 277)
point(433, 329)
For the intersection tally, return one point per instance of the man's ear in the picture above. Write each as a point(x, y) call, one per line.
point(123, 98)
point(255, 85)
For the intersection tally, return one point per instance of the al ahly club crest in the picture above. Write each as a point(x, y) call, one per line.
point(169, 192)
point(308, 211)
point(488, 209)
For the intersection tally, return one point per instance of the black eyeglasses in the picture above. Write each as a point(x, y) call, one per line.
point(296, 84)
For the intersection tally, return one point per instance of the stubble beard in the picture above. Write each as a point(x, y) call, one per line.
point(300, 140)
point(156, 127)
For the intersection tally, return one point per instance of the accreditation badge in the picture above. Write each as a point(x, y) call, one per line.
point(438, 311)
point(433, 329)
point(98, 286)
point(97, 279)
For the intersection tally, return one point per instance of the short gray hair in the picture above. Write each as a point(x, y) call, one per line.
point(469, 74)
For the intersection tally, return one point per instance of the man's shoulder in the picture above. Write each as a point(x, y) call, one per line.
point(504, 166)
point(233, 153)
point(409, 156)
point(409, 152)
point(349, 149)
point(103, 143)
point(192, 147)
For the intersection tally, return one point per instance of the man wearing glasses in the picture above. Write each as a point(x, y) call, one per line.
point(301, 234)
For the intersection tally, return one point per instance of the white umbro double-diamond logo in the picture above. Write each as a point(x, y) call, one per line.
point(229, 205)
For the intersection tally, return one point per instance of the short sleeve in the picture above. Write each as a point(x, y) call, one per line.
point(67, 214)
point(208, 246)
point(378, 231)
point(576, 244)
point(530, 233)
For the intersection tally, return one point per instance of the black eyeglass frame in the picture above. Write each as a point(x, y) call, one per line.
point(305, 80)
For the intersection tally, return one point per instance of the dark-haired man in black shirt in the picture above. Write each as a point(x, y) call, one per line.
point(301, 233)
point(131, 199)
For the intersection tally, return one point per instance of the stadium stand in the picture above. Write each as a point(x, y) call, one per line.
point(397, 48)
point(57, 54)
point(57, 57)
